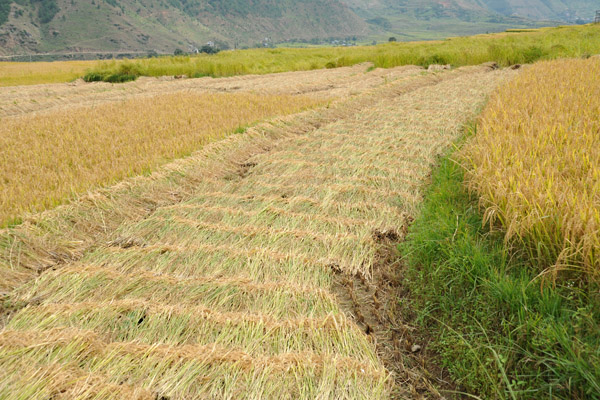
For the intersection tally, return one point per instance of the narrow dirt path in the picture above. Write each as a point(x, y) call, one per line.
point(264, 280)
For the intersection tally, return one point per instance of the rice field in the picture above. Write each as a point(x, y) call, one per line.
point(323, 84)
point(35, 73)
point(535, 162)
point(48, 158)
point(214, 276)
point(109, 132)
point(504, 48)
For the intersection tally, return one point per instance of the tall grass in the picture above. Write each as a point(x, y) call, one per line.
point(504, 48)
point(536, 164)
point(46, 158)
point(499, 334)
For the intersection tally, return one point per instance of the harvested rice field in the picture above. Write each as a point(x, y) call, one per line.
point(58, 141)
point(322, 84)
point(245, 270)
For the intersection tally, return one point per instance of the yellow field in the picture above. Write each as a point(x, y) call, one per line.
point(215, 277)
point(33, 73)
point(324, 84)
point(536, 162)
point(48, 157)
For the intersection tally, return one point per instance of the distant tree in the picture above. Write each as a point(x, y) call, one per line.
point(209, 49)
point(4, 10)
point(178, 52)
point(47, 9)
point(221, 45)
point(392, 39)
point(152, 54)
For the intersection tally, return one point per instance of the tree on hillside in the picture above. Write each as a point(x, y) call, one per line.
point(209, 49)
point(392, 39)
point(47, 9)
point(4, 10)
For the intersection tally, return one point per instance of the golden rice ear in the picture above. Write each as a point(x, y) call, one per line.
point(535, 164)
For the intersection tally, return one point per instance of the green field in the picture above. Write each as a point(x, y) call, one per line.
point(506, 48)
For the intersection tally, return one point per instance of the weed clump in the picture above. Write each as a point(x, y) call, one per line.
point(126, 72)
point(112, 78)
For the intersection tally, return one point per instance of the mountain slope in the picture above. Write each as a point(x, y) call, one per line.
point(438, 19)
point(561, 10)
point(556, 10)
point(434, 19)
point(142, 25)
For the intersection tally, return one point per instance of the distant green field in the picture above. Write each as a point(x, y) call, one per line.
point(406, 27)
point(506, 48)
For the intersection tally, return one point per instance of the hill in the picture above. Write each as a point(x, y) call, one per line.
point(127, 25)
point(560, 10)
point(142, 26)
point(551, 10)
point(436, 19)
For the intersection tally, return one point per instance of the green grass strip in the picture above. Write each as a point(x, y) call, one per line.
point(500, 333)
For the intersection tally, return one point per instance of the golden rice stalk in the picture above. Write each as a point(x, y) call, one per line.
point(46, 158)
point(535, 162)
point(33, 73)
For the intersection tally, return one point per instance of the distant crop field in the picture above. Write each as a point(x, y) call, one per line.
point(24, 73)
point(323, 84)
point(48, 157)
point(535, 161)
point(506, 48)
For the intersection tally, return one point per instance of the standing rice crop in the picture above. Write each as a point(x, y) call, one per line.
point(34, 73)
point(46, 158)
point(506, 48)
point(535, 162)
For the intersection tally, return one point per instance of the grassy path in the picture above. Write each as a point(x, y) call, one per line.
point(224, 291)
